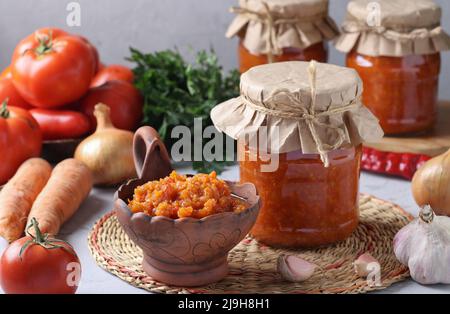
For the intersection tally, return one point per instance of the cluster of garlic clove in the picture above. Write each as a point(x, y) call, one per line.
point(295, 269)
point(365, 264)
point(424, 246)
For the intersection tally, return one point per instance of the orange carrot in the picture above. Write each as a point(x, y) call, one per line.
point(69, 185)
point(18, 195)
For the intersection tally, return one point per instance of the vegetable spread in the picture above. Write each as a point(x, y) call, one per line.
point(178, 196)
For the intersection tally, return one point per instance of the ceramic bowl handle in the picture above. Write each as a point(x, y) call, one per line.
point(151, 158)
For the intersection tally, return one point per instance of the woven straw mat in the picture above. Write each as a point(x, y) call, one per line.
point(252, 266)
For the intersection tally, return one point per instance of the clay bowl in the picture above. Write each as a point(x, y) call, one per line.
point(186, 251)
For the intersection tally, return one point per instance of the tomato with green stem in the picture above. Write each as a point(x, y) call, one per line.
point(39, 264)
point(52, 68)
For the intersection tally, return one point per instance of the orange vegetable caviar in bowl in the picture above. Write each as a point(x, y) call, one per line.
point(185, 225)
point(178, 196)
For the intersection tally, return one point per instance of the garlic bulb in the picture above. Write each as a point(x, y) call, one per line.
point(430, 184)
point(424, 246)
point(364, 264)
point(108, 152)
point(295, 269)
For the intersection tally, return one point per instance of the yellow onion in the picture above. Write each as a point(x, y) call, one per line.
point(430, 185)
point(108, 152)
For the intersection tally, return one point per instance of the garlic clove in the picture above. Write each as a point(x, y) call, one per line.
point(364, 264)
point(295, 269)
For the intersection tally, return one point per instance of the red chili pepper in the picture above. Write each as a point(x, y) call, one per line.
point(392, 163)
point(395, 164)
point(61, 124)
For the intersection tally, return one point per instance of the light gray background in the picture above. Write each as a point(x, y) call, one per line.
point(115, 25)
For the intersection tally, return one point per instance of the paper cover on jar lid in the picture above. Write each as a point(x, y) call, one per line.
point(313, 107)
point(393, 28)
point(270, 25)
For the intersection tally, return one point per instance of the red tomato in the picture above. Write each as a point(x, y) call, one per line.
point(8, 91)
point(94, 53)
point(45, 266)
point(20, 139)
point(111, 73)
point(61, 124)
point(124, 100)
point(6, 73)
point(51, 68)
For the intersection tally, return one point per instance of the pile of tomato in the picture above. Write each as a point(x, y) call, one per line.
point(49, 92)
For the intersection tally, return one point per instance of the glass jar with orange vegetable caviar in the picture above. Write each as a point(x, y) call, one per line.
point(304, 203)
point(398, 60)
point(299, 128)
point(281, 30)
point(401, 91)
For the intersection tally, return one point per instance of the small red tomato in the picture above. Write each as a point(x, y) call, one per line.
point(9, 91)
point(124, 100)
point(37, 264)
point(111, 73)
point(61, 124)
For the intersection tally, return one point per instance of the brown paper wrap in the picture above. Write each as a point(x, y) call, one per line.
point(314, 107)
point(403, 27)
point(268, 26)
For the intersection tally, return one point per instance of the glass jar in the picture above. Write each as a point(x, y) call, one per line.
point(247, 60)
point(402, 92)
point(308, 111)
point(305, 204)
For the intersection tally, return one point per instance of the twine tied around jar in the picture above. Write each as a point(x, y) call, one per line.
point(402, 35)
point(272, 22)
point(310, 116)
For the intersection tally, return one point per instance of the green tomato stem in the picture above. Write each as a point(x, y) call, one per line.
point(45, 44)
point(42, 239)
point(4, 112)
point(39, 237)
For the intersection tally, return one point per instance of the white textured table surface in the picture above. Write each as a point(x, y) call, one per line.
point(96, 280)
